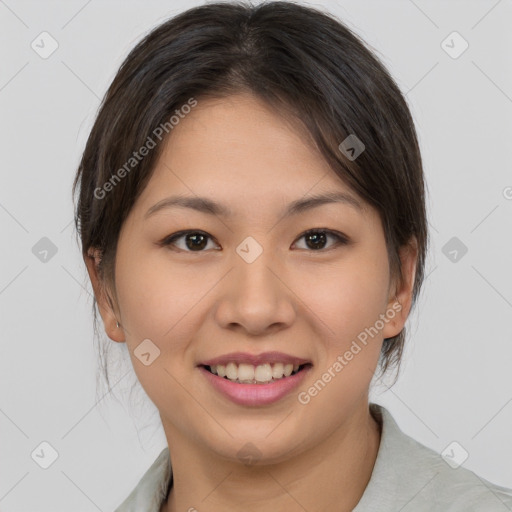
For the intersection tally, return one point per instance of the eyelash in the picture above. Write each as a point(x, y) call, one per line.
point(340, 239)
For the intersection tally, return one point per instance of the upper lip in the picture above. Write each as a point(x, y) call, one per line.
point(255, 359)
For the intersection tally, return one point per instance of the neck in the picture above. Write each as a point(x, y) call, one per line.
point(335, 472)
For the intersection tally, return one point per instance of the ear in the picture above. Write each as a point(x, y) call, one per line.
point(400, 293)
point(105, 303)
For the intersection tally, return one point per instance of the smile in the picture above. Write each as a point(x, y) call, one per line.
point(250, 374)
point(249, 391)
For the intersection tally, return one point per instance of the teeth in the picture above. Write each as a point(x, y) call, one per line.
point(231, 371)
point(249, 374)
point(288, 369)
point(277, 370)
point(263, 373)
point(245, 372)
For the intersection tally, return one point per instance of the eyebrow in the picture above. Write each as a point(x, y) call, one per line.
point(208, 206)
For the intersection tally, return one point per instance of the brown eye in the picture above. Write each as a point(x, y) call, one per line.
point(316, 239)
point(194, 241)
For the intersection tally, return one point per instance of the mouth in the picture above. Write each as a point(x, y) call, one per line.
point(266, 373)
point(255, 379)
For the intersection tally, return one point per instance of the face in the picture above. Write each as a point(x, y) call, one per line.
point(251, 277)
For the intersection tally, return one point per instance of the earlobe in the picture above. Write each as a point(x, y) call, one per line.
point(113, 329)
point(399, 305)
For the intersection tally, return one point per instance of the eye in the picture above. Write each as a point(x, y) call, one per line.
point(197, 241)
point(316, 238)
point(194, 241)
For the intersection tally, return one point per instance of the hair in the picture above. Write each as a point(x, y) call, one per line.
point(302, 62)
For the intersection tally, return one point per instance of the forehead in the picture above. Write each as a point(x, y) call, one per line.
point(243, 132)
point(239, 149)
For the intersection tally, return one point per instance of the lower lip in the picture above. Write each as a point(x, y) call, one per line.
point(255, 394)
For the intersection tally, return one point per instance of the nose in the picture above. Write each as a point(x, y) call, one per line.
point(256, 297)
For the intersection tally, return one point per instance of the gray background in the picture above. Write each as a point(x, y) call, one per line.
point(456, 383)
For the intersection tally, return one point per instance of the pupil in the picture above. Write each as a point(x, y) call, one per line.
point(196, 238)
point(314, 238)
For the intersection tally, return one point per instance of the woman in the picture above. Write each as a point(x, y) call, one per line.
point(252, 216)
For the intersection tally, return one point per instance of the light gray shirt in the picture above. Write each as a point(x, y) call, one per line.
point(407, 477)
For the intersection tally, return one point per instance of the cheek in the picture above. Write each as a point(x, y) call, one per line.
point(157, 303)
point(155, 296)
point(349, 305)
point(346, 297)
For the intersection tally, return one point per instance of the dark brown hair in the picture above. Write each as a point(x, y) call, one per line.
point(301, 61)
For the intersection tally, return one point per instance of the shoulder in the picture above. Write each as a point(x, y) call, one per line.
point(411, 477)
point(152, 488)
point(453, 489)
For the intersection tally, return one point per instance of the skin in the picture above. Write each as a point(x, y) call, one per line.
point(309, 303)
